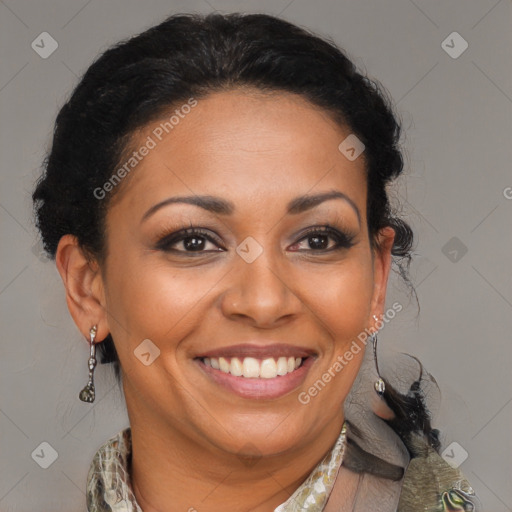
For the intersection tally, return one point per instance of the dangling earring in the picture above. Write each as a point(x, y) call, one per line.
point(87, 394)
point(379, 384)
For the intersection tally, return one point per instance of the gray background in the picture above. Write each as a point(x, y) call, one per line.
point(457, 115)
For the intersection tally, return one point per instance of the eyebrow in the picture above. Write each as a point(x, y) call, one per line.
point(221, 206)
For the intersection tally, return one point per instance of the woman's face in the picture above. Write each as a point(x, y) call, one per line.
point(253, 284)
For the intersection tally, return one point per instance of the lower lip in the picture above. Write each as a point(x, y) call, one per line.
point(259, 388)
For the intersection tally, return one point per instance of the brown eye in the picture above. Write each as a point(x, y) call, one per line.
point(318, 239)
point(193, 240)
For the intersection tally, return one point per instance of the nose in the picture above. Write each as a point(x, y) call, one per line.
point(261, 293)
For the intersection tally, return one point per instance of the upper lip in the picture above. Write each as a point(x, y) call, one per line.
point(259, 351)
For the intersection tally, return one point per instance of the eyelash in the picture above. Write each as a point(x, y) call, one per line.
point(343, 240)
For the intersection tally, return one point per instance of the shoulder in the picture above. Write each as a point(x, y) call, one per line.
point(108, 481)
point(431, 483)
point(422, 482)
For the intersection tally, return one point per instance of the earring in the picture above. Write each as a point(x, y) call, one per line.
point(379, 384)
point(87, 394)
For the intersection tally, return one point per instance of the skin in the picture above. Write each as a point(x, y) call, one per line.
point(258, 151)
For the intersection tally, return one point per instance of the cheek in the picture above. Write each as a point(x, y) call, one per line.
point(353, 301)
point(342, 299)
point(153, 300)
point(148, 298)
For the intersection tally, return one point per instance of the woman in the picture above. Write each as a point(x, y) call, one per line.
point(215, 201)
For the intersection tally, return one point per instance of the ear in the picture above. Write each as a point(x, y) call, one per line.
point(381, 266)
point(85, 295)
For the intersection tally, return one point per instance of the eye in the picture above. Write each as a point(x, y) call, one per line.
point(195, 240)
point(318, 239)
point(191, 240)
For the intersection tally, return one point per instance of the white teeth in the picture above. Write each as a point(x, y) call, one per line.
point(223, 365)
point(236, 368)
point(268, 369)
point(250, 367)
point(282, 366)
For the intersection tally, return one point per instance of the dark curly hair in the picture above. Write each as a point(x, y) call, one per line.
point(141, 78)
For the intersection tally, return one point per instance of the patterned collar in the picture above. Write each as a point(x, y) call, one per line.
point(109, 488)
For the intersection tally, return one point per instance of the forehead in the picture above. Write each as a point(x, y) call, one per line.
point(250, 147)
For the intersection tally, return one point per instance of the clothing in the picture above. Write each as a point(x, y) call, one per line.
point(109, 487)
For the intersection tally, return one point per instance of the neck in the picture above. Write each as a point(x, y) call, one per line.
point(171, 470)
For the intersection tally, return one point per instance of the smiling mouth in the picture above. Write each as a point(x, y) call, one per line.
point(253, 368)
